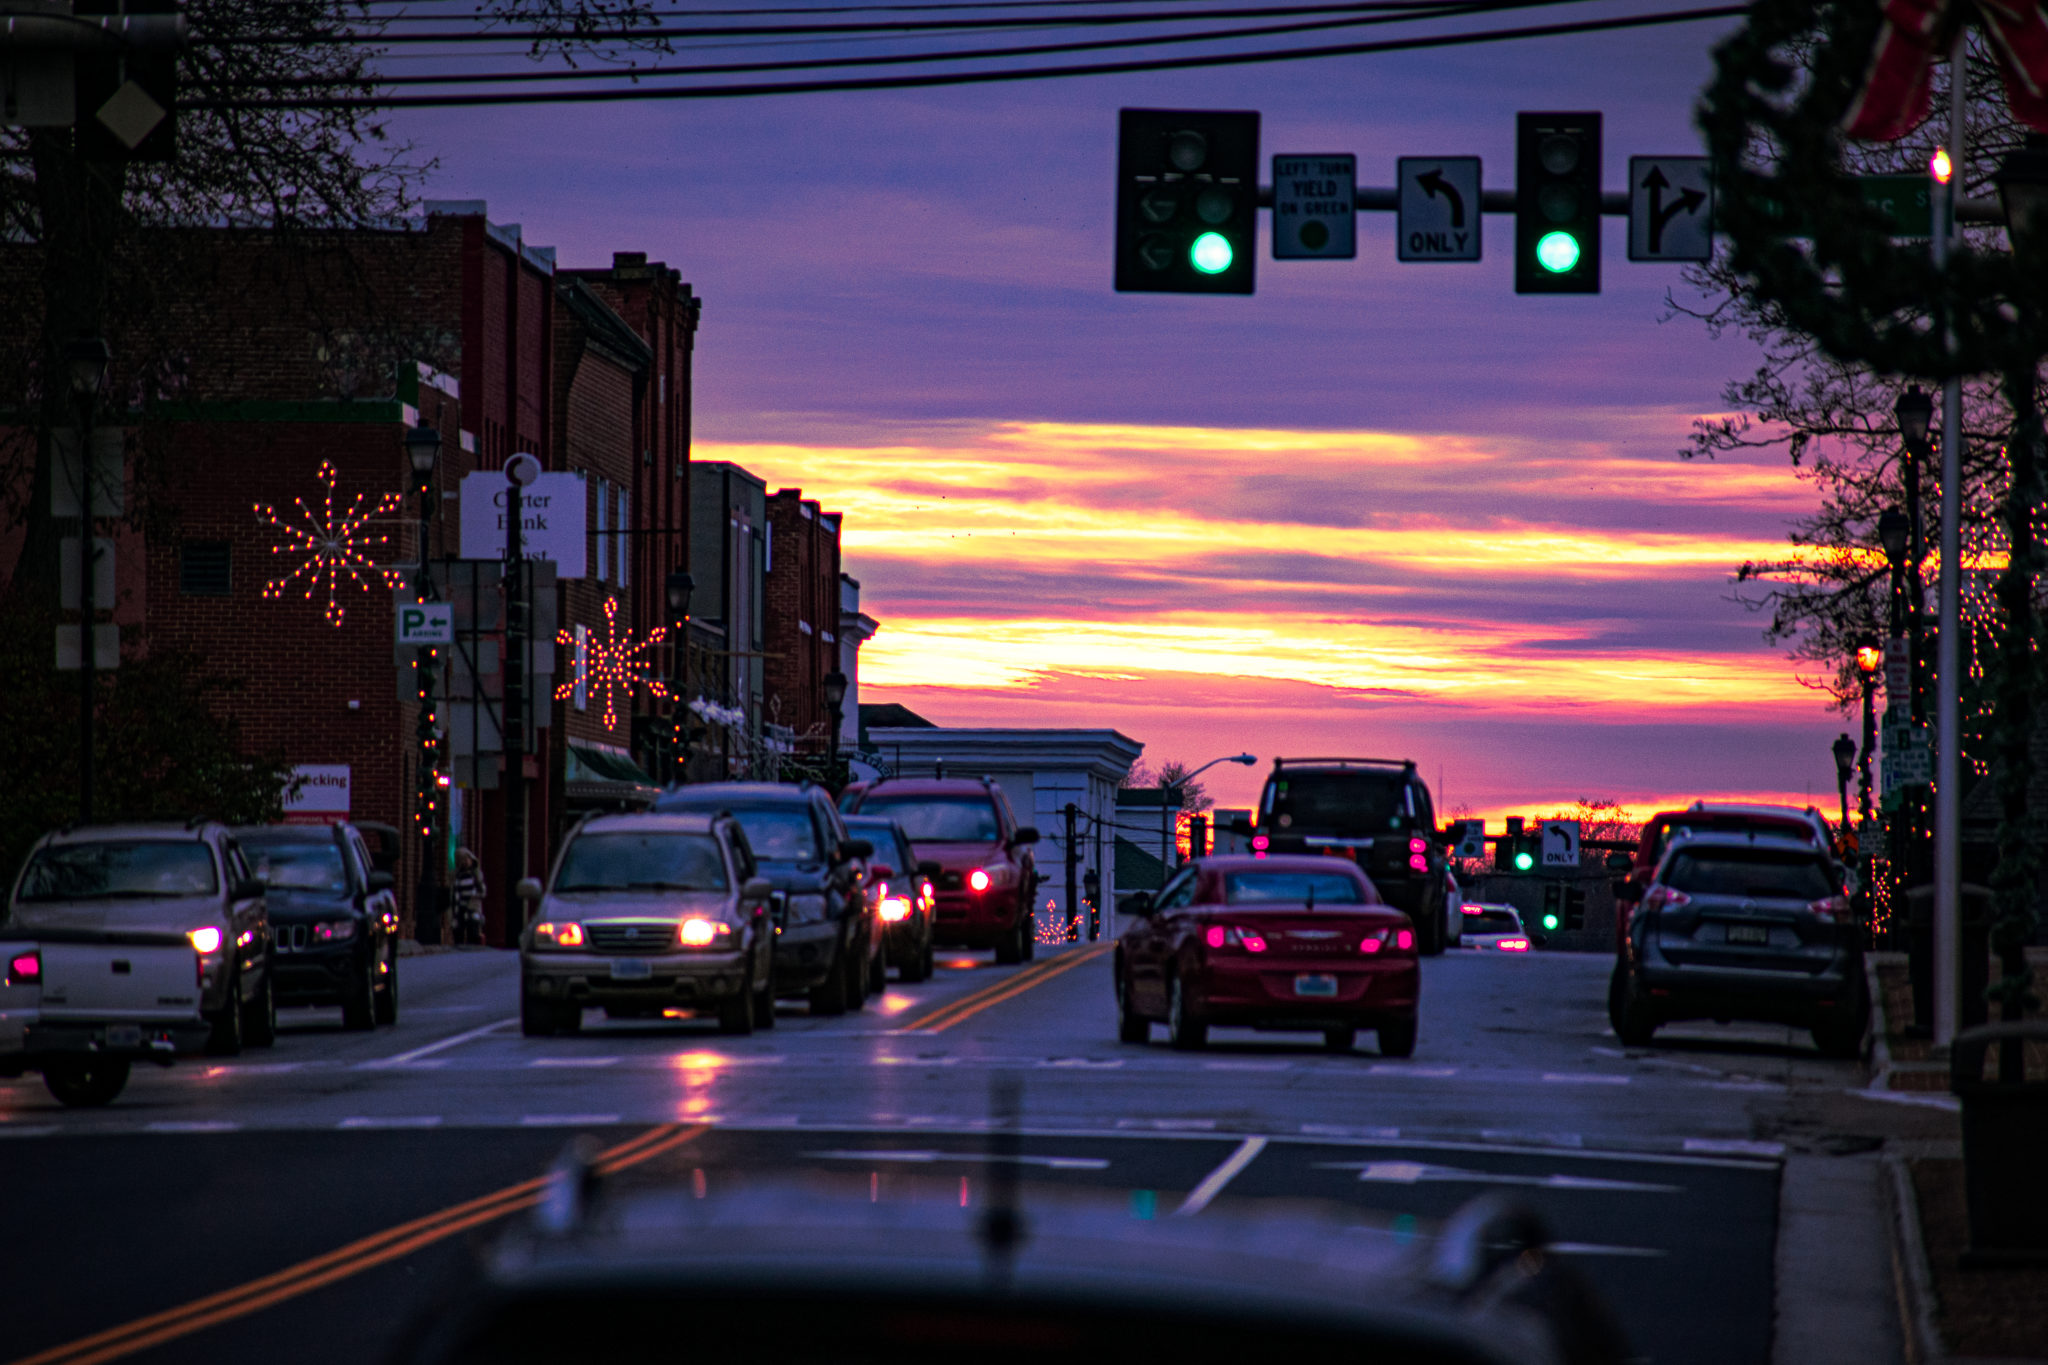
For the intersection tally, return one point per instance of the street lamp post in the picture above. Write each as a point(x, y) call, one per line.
point(835, 702)
point(1166, 852)
point(86, 360)
point(680, 588)
point(520, 472)
point(1845, 764)
point(423, 455)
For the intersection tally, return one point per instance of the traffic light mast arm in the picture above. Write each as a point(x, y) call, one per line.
point(1613, 204)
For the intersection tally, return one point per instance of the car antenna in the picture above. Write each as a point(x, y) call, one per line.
point(1001, 1226)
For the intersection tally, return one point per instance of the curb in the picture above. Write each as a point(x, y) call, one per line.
point(1879, 1057)
point(1912, 1276)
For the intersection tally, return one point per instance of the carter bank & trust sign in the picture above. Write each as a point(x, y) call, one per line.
point(551, 521)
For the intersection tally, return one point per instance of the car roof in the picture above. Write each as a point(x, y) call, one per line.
point(165, 830)
point(926, 786)
point(712, 795)
point(1279, 862)
point(856, 820)
point(676, 822)
point(1737, 839)
point(280, 832)
point(1806, 815)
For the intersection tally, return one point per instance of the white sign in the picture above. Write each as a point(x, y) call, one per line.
point(1898, 677)
point(1315, 214)
point(425, 623)
point(1438, 202)
point(1670, 209)
point(551, 528)
point(1471, 839)
point(323, 790)
point(1560, 843)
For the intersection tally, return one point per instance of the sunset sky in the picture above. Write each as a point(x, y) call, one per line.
point(1381, 509)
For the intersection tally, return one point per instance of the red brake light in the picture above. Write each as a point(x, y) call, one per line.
point(25, 968)
point(1418, 862)
point(1260, 843)
point(1404, 938)
point(1418, 844)
point(1251, 940)
point(1830, 907)
point(1215, 936)
point(1371, 943)
point(1514, 945)
point(1253, 943)
point(977, 880)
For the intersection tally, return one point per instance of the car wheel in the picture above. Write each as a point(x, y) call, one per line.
point(829, 995)
point(1634, 1021)
point(537, 1018)
point(359, 1005)
point(1027, 937)
point(1009, 948)
point(1397, 1038)
point(764, 1003)
point(387, 998)
point(87, 1084)
point(1340, 1039)
point(259, 1016)
point(917, 964)
point(226, 1038)
point(1131, 1027)
point(930, 962)
point(736, 1015)
point(878, 972)
point(857, 976)
point(1183, 1030)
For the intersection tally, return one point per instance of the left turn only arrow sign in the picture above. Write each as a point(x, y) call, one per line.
point(1439, 208)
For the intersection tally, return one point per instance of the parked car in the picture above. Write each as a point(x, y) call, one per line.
point(190, 880)
point(1743, 926)
point(1287, 942)
point(900, 893)
point(988, 879)
point(828, 947)
point(645, 913)
point(334, 917)
point(1807, 825)
point(1494, 928)
point(1374, 812)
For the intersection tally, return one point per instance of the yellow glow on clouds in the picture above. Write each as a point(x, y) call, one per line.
point(1155, 508)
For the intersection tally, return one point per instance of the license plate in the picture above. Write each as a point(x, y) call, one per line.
point(627, 969)
point(124, 1035)
point(1315, 985)
point(1748, 933)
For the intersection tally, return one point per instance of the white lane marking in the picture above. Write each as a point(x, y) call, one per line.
point(1170, 1125)
point(1397, 1069)
point(1213, 1183)
point(192, 1126)
point(1583, 1078)
point(916, 1061)
point(1416, 1172)
point(256, 1069)
point(1082, 1063)
point(566, 1120)
point(1734, 1147)
point(924, 1158)
point(574, 1061)
point(393, 1121)
point(1517, 1135)
point(408, 1058)
point(1597, 1249)
point(1338, 1130)
point(1246, 1066)
point(8, 1130)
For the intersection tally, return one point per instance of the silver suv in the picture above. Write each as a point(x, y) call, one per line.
point(646, 914)
point(184, 879)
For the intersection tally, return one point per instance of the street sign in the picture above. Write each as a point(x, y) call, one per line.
point(1438, 203)
point(1898, 677)
point(66, 471)
point(1472, 839)
point(102, 572)
point(1908, 756)
point(1314, 210)
point(425, 623)
point(1905, 200)
point(552, 528)
point(1560, 843)
point(1670, 209)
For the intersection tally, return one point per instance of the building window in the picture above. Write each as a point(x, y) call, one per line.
point(604, 542)
point(625, 524)
point(204, 568)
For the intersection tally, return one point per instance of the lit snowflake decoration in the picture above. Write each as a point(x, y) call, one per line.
point(615, 663)
point(332, 546)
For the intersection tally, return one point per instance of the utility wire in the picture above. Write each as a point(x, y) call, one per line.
point(913, 81)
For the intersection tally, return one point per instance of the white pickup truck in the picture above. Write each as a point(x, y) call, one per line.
point(81, 1005)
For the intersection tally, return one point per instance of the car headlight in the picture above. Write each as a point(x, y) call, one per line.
point(206, 940)
point(334, 930)
point(698, 932)
point(895, 909)
point(546, 935)
point(807, 909)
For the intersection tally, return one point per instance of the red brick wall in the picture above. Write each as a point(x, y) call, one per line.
point(803, 613)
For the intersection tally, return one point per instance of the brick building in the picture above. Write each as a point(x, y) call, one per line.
point(803, 587)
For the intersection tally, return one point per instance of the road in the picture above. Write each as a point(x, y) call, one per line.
point(306, 1202)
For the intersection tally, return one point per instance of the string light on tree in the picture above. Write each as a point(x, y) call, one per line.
point(615, 663)
point(333, 545)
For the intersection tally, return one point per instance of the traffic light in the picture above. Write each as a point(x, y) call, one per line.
point(1557, 203)
point(1187, 201)
point(1515, 853)
point(1552, 918)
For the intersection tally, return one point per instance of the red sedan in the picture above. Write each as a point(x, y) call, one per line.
point(1289, 942)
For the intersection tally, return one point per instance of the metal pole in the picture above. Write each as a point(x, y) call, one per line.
point(1073, 878)
point(514, 717)
point(88, 602)
point(1863, 807)
point(1948, 665)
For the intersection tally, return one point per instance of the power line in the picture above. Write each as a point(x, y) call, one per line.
point(934, 79)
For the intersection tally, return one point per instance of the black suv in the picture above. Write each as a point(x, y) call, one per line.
point(334, 918)
point(1375, 812)
point(828, 947)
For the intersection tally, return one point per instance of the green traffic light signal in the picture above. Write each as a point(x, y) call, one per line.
point(1557, 252)
point(1550, 923)
point(1524, 860)
point(1211, 253)
point(1557, 203)
point(1187, 201)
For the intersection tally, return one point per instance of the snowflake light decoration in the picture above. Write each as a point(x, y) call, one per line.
point(614, 663)
point(332, 546)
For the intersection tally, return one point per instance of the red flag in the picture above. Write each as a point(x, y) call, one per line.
point(1898, 90)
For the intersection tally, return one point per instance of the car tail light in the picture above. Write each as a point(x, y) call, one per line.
point(1513, 945)
point(1471, 909)
point(1401, 940)
point(1664, 898)
point(1404, 939)
point(977, 880)
point(1218, 936)
point(698, 932)
point(25, 969)
point(1830, 907)
point(558, 935)
point(206, 940)
point(1260, 843)
point(1418, 862)
point(1373, 942)
point(1418, 844)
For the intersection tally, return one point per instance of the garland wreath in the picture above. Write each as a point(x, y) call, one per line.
point(1862, 296)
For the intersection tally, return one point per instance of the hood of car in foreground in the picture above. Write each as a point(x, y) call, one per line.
point(170, 914)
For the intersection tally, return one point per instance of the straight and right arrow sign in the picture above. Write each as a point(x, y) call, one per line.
point(1670, 209)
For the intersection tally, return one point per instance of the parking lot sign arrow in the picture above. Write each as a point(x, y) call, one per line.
point(425, 623)
point(1670, 209)
point(1438, 208)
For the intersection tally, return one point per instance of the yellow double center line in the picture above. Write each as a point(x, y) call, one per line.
point(967, 1006)
point(358, 1256)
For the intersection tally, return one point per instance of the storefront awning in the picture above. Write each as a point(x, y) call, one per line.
point(598, 777)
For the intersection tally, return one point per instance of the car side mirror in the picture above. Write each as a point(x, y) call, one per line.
point(382, 881)
point(249, 888)
point(756, 889)
point(929, 870)
point(1618, 864)
point(1026, 834)
point(528, 889)
point(1137, 903)
point(850, 849)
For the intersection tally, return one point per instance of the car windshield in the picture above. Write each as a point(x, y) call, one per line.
point(939, 819)
point(882, 834)
point(781, 834)
point(1760, 874)
point(116, 868)
point(1492, 922)
point(297, 864)
point(1291, 888)
point(645, 860)
point(1338, 803)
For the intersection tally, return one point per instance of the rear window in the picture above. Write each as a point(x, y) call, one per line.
point(649, 861)
point(106, 871)
point(1338, 803)
point(1759, 874)
point(939, 819)
point(1290, 888)
point(1493, 922)
point(298, 864)
point(888, 852)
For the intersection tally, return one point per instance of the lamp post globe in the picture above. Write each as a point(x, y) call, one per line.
point(85, 363)
point(1893, 527)
point(423, 451)
point(680, 587)
point(1914, 412)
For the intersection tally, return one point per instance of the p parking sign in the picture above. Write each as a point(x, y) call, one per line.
point(425, 623)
